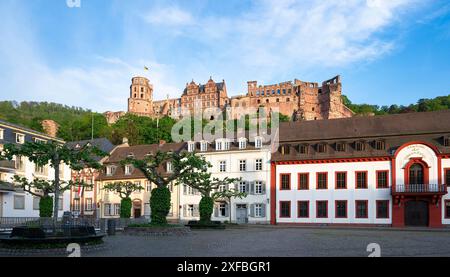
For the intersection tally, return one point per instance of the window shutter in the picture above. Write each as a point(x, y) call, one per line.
point(263, 210)
point(236, 186)
point(227, 210)
point(184, 211)
point(216, 211)
point(263, 191)
point(252, 210)
point(247, 187)
point(252, 187)
point(196, 211)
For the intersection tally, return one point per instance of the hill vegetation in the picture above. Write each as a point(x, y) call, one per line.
point(76, 123)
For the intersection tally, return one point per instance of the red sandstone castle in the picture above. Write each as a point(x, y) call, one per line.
point(299, 100)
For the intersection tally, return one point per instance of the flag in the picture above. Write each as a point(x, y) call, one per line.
point(146, 68)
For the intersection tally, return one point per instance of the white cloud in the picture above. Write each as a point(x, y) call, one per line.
point(170, 16)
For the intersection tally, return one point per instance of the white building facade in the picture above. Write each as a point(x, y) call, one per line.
point(237, 158)
point(382, 171)
point(13, 201)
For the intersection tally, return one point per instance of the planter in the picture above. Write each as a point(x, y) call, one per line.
point(156, 231)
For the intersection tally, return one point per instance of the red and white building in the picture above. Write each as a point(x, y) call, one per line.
point(383, 170)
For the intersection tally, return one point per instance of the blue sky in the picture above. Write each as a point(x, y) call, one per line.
point(387, 51)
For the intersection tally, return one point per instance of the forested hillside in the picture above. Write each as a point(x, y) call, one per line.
point(76, 123)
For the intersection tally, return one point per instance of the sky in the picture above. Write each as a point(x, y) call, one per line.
point(386, 51)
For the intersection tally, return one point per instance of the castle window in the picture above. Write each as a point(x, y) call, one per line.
point(273, 91)
point(135, 89)
point(303, 149)
point(287, 99)
point(142, 89)
point(313, 109)
point(380, 145)
point(284, 91)
point(321, 148)
point(359, 146)
point(267, 100)
point(289, 91)
point(142, 95)
point(340, 146)
point(135, 95)
point(259, 101)
point(278, 91)
point(278, 100)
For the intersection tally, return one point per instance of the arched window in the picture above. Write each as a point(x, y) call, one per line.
point(416, 175)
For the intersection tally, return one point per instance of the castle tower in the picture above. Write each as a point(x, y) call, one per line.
point(140, 101)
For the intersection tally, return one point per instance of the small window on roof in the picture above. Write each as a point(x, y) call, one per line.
point(380, 145)
point(446, 141)
point(321, 147)
point(359, 146)
point(340, 146)
point(285, 149)
point(303, 149)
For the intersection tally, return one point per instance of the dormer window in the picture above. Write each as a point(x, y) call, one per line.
point(110, 170)
point(226, 145)
point(242, 143)
point(169, 167)
point(359, 146)
point(191, 146)
point(340, 146)
point(321, 148)
point(130, 155)
point(284, 149)
point(38, 140)
point(2, 134)
point(218, 145)
point(446, 141)
point(303, 149)
point(128, 169)
point(204, 146)
point(380, 145)
point(258, 142)
point(20, 138)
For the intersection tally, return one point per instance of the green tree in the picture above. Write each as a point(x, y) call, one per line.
point(211, 188)
point(124, 190)
point(55, 154)
point(152, 168)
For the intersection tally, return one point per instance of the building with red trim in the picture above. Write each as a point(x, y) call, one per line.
point(391, 170)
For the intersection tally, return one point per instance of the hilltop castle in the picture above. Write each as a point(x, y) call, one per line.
point(299, 100)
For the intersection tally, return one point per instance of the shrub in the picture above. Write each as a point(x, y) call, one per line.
point(125, 208)
point(46, 206)
point(160, 205)
point(206, 207)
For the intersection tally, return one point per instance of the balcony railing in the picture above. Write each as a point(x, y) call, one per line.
point(420, 188)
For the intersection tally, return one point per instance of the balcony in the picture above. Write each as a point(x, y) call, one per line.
point(419, 189)
point(7, 166)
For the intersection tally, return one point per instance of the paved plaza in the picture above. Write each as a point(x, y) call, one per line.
point(280, 241)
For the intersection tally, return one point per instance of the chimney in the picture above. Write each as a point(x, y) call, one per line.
point(50, 127)
point(162, 142)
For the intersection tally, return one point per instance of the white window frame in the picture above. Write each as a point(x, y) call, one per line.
point(88, 206)
point(258, 187)
point(204, 146)
point(190, 210)
point(169, 168)
point(258, 164)
point(116, 209)
point(38, 140)
point(258, 210)
point(16, 203)
point(107, 209)
point(2, 133)
point(222, 166)
point(109, 170)
point(242, 186)
point(218, 145)
point(20, 138)
point(36, 200)
point(191, 146)
point(76, 205)
point(222, 206)
point(128, 169)
point(226, 145)
point(242, 165)
point(242, 143)
point(258, 142)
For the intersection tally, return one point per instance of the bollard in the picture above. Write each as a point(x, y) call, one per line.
point(111, 227)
